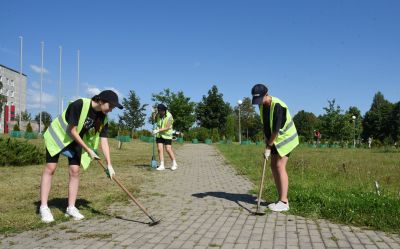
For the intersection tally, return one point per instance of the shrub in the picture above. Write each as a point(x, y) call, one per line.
point(29, 128)
point(17, 153)
point(16, 127)
point(214, 135)
point(140, 133)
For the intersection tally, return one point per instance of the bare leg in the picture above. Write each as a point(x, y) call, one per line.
point(45, 185)
point(170, 152)
point(281, 176)
point(274, 170)
point(73, 184)
point(160, 148)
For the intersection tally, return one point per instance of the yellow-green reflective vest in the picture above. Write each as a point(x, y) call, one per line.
point(57, 137)
point(162, 123)
point(287, 138)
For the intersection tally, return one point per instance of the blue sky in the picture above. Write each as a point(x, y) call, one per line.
point(307, 52)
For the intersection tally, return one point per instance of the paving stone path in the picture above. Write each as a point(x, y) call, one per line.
point(204, 204)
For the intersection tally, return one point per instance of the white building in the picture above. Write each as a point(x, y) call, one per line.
point(14, 89)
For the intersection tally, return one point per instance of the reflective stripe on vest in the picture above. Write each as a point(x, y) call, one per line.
point(162, 123)
point(57, 136)
point(287, 138)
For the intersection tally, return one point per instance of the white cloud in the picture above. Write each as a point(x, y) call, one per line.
point(33, 97)
point(35, 85)
point(38, 69)
point(92, 90)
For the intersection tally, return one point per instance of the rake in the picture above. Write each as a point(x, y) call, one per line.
point(153, 220)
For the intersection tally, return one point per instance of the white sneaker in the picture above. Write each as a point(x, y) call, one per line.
point(46, 215)
point(174, 166)
point(280, 207)
point(271, 205)
point(161, 167)
point(74, 213)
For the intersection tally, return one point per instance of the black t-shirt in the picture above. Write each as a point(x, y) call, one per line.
point(74, 111)
point(279, 119)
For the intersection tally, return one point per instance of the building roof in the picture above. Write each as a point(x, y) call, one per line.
point(12, 70)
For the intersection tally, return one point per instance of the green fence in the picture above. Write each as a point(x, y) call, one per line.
point(30, 135)
point(147, 139)
point(195, 141)
point(15, 134)
point(208, 141)
point(123, 138)
point(22, 134)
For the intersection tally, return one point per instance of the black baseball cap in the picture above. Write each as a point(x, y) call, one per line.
point(110, 97)
point(161, 107)
point(258, 91)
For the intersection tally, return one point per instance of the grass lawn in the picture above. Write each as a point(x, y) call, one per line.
point(336, 184)
point(19, 187)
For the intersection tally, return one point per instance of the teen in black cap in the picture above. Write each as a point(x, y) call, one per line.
point(280, 138)
point(76, 134)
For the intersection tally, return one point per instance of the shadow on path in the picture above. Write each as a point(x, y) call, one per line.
point(237, 198)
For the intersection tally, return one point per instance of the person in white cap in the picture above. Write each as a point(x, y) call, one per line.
point(280, 138)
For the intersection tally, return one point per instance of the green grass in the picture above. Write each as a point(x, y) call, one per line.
point(336, 184)
point(19, 187)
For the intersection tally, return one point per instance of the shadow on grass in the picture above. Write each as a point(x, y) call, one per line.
point(62, 203)
point(237, 198)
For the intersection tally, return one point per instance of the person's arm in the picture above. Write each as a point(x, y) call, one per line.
point(75, 135)
point(106, 149)
point(169, 126)
point(279, 113)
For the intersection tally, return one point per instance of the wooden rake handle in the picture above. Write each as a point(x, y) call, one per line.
point(126, 191)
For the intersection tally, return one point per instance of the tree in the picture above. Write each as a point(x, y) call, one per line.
point(377, 121)
point(212, 111)
point(333, 123)
point(46, 119)
point(396, 122)
point(180, 106)
point(113, 128)
point(249, 119)
point(306, 123)
point(353, 129)
point(25, 116)
point(133, 116)
point(230, 127)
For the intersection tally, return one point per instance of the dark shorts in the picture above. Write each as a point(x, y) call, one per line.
point(274, 151)
point(75, 160)
point(161, 140)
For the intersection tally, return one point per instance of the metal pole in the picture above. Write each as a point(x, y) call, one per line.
point(59, 84)
point(354, 130)
point(354, 133)
point(20, 82)
point(240, 130)
point(41, 90)
point(77, 88)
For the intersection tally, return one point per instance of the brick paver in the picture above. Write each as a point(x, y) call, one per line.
point(204, 204)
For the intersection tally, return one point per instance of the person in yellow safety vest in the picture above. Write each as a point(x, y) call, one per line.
point(163, 133)
point(81, 126)
point(280, 138)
